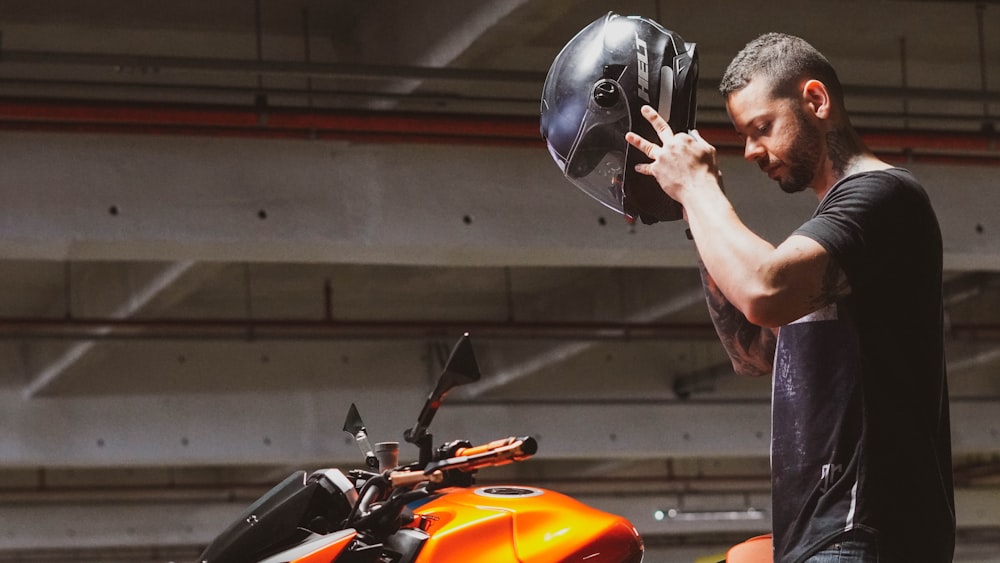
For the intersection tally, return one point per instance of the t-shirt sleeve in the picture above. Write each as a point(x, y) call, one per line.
point(852, 221)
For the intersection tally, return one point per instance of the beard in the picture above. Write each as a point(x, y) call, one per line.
point(803, 158)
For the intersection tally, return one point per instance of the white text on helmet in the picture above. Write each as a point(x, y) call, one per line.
point(640, 53)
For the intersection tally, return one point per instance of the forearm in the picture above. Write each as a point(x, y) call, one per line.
point(770, 286)
point(685, 166)
point(750, 347)
point(736, 257)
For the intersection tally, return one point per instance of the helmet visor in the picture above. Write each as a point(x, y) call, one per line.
point(596, 161)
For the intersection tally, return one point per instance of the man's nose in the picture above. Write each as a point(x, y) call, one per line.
point(752, 150)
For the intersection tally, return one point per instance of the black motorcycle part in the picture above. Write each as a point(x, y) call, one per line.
point(359, 553)
point(281, 517)
point(406, 544)
point(452, 478)
point(386, 519)
point(460, 369)
point(401, 547)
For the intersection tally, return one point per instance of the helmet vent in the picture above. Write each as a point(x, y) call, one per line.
point(606, 93)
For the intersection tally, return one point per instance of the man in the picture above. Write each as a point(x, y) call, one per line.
point(861, 451)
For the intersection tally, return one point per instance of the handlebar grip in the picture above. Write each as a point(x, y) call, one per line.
point(475, 450)
point(408, 478)
point(497, 452)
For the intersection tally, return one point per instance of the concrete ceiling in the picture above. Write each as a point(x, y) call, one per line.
point(224, 222)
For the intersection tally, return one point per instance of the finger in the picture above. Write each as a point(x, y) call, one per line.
point(640, 143)
point(659, 124)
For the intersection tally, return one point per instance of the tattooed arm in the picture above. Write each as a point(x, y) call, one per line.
point(750, 347)
point(771, 286)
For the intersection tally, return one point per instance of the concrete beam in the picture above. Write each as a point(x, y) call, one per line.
point(110, 197)
point(304, 428)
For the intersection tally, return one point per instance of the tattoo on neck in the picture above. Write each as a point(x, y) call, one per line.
point(842, 146)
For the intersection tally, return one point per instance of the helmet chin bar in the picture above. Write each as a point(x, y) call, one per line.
point(642, 197)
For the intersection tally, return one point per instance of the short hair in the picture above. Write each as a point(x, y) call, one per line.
point(783, 60)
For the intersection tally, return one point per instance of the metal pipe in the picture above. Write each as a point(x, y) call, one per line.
point(960, 147)
point(285, 328)
point(14, 328)
point(981, 35)
point(403, 72)
point(272, 68)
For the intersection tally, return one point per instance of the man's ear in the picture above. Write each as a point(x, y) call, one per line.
point(816, 98)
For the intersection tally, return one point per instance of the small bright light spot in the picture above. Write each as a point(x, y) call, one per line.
point(549, 536)
point(709, 515)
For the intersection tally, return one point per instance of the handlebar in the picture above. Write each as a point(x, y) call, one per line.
point(497, 452)
point(409, 478)
point(395, 488)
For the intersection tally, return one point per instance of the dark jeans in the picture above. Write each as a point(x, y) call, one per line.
point(850, 548)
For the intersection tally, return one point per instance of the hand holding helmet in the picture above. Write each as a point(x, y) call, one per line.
point(593, 96)
point(680, 161)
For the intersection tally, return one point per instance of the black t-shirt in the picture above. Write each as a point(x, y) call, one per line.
point(860, 428)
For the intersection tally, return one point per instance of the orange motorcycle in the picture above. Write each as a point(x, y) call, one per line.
point(423, 512)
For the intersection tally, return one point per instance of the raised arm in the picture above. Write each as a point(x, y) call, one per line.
point(771, 286)
point(750, 347)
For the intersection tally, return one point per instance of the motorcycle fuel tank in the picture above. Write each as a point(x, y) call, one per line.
point(516, 523)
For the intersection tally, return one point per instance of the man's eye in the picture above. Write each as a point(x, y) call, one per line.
point(763, 128)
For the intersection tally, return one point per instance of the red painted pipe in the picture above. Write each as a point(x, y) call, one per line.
point(956, 147)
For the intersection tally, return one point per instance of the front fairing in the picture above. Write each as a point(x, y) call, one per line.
point(283, 516)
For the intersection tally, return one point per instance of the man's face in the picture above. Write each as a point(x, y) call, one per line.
point(778, 136)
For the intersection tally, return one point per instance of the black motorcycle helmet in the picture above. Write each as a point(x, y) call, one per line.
point(592, 97)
